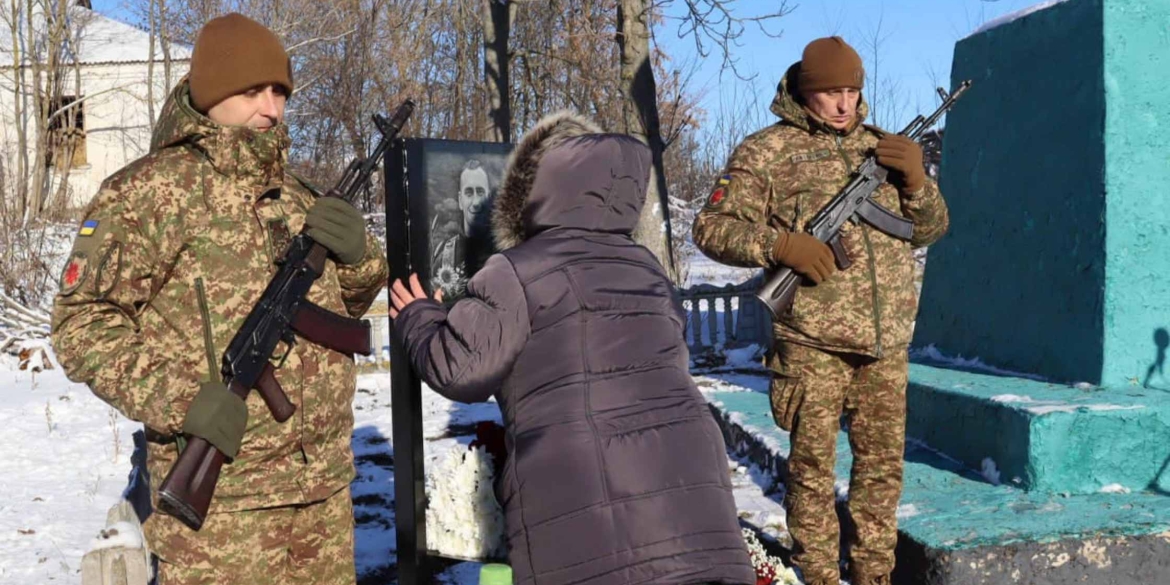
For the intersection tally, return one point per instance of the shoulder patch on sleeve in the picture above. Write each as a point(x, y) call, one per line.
point(109, 270)
point(721, 191)
point(90, 235)
point(74, 273)
point(717, 197)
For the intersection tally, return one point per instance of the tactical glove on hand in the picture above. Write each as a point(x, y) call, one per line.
point(904, 157)
point(218, 416)
point(338, 226)
point(804, 254)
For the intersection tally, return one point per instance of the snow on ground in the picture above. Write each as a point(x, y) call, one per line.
point(704, 270)
point(64, 461)
point(931, 355)
point(1042, 407)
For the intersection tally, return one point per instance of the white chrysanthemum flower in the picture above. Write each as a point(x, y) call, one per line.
point(463, 517)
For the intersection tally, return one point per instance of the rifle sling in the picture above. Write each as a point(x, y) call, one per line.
point(332, 331)
point(885, 221)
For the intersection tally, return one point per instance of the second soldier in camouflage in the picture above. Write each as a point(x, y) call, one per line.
point(842, 346)
point(173, 253)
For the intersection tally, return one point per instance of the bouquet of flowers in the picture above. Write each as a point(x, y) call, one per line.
point(464, 520)
point(769, 570)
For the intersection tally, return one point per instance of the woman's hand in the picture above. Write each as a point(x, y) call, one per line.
point(400, 297)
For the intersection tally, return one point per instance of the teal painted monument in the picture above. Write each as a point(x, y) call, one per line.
point(1056, 167)
point(1057, 263)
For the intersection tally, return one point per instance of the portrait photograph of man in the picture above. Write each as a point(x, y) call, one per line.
point(459, 181)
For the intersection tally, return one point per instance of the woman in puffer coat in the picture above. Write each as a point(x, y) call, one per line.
point(617, 473)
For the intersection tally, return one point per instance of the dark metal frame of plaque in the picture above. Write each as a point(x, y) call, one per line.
point(416, 170)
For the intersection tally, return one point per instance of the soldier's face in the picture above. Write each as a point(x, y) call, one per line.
point(837, 107)
point(473, 194)
point(260, 108)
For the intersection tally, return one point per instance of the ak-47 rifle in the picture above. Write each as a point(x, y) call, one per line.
point(281, 314)
point(853, 203)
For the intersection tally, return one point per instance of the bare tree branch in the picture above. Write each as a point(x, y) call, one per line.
point(714, 22)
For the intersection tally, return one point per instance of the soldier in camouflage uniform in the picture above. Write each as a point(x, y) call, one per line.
point(842, 346)
point(173, 253)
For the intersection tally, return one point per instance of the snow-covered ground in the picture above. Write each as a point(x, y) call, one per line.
point(65, 460)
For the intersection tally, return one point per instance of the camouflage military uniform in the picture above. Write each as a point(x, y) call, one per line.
point(295, 545)
point(173, 252)
point(843, 345)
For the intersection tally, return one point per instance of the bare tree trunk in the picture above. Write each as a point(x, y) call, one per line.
point(164, 37)
point(37, 169)
point(497, 25)
point(18, 102)
point(150, 65)
point(640, 113)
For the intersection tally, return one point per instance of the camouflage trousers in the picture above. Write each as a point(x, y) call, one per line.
point(307, 544)
point(810, 391)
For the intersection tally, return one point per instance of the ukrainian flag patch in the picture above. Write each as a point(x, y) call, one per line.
point(725, 180)
point(88, 228)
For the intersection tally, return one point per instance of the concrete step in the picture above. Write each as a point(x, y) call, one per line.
point(957, 528)
point(1044, 437)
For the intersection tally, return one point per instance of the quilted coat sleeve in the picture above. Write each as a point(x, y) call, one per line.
point(465, 352)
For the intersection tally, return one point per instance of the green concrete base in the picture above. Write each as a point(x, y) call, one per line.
point(1044, 437)
point(953, 522)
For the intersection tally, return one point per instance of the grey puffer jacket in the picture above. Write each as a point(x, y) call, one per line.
point(617, 473)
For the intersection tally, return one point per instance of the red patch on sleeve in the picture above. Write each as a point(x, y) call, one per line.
point(716, 196)
point(72, 273)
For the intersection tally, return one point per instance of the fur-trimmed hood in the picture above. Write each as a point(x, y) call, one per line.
point(566, 173)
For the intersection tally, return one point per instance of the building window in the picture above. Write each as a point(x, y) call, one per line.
point(66, 133)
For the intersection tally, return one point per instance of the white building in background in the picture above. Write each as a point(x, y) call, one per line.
point(114, 118)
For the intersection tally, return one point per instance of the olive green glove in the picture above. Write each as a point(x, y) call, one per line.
point(804, 254)
point(218, 416)
point(338, 226)
point(904, 157)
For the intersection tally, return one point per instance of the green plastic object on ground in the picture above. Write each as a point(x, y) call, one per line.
point(495, 574)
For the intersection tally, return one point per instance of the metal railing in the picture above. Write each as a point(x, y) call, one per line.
point(725, 316)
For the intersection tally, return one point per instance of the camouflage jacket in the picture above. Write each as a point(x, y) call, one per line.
point(778, 179)
point(173, 252)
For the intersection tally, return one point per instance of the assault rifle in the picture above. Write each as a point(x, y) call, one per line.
point(281, 314)
point(853, 203)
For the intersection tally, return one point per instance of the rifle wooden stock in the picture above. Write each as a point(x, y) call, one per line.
point(186, 492)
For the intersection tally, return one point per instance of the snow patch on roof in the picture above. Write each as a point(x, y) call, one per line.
point(106, 40)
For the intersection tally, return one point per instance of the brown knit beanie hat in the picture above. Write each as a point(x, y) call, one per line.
point(234, 53)
point(830, 63)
